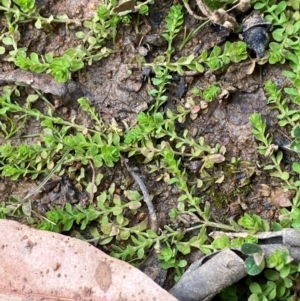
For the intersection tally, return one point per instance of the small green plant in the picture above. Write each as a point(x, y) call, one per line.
point(160, 81)
point(101, 28)
point(285, 18)
point(255, 262)
point(286, 116)
point(280, 260)
point(268, 149)
point(168, 257)
point(270, 278)
point(215, 60)
point(229, 293)
point(163, 65)
point(174, 21)
point(59, 220)
point(60, 67)
point(279, 277)
point(284, 47)
point(99, 147)
point(109, 213)
point(209, 93)
point(295, 145)
point(4, 210)
point(253, 223)
point(20, 11)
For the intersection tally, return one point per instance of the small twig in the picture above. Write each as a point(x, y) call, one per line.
point(190, 11)
point(192, 34)
point(284, 134)
point(44, 98)
point(139, 181)
point(93, 183)
point(46, 219)
point(42, 184)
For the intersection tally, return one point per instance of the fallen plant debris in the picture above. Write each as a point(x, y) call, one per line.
point(42, 82)
point(206, 278)
point(219, 16)
point(147, 200)
point(198, 283)
point(65, 276)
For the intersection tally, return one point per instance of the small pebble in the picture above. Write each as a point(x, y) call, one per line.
point(143, 51)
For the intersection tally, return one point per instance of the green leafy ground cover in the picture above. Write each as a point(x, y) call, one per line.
point(154, 140)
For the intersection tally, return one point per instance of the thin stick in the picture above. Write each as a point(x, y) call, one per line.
point(93, 183)
point(190, 11)
point(47, 178)
point(139, 181)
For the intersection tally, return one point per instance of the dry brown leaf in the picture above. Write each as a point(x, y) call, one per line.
point(221, 17)
point(127, 5)
point(242, 6)
point(216, 158)
point(281, 198)
point(40, 265)
point(264, 190)
point(246, 67)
